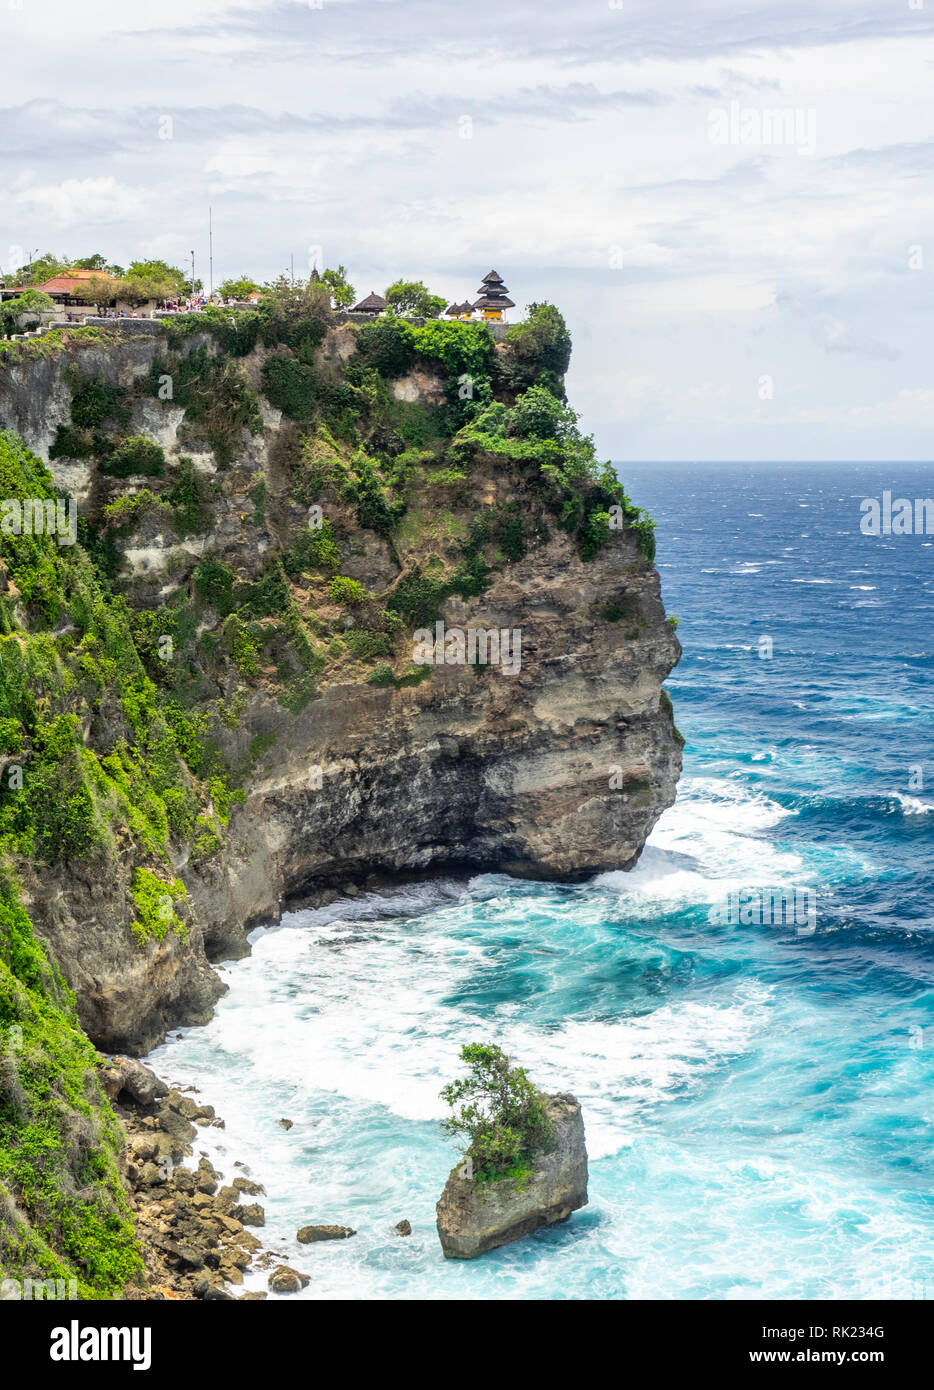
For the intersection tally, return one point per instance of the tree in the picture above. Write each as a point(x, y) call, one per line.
point(342, 293)
point(295, 313)
point(541, 350)
point(505, 1118)
point(413, 298)
point(159, 279)
point(538, 414)
point(237, 289)
point(27, 305)
point(388, 344)
point(100, 290)
point(95, 262)
point(44, 268)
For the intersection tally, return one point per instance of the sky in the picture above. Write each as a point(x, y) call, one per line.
point(732, 205)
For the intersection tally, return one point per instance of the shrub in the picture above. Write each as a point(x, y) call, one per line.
point(72, 443)
point(418, 597)
point(214, 584)
point(291, 386)
point(503, 1115)
point(381, 675)
point(365, 645)
point(241, 647)
point(538, 414)
point(94, 402)
point(134, 455)
point(218, 403)
point(347, 592)
point(188, 497)
point(374, 509)
point(295, 314)
point(260, 746)
point(541, 347)
point(388, 345)
point(154, 900)
point(11, 735)
point(595, 534)
point(317, 548)
point(267, 598)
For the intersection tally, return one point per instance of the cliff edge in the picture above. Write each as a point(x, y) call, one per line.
point(273, 511)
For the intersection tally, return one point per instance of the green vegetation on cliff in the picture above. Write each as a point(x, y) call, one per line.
point(63, 1211)
point(276, 499)
point(92, 754)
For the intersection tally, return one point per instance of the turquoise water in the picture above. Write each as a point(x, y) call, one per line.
point(758, 1099)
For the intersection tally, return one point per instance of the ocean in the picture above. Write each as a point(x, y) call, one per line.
point(757, 1089)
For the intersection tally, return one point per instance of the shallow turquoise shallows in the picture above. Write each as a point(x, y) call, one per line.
point(758, 1099)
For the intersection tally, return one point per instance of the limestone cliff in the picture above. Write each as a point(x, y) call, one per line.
point(315, 753)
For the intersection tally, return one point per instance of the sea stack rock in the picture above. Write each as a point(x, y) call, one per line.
point(474, 1217)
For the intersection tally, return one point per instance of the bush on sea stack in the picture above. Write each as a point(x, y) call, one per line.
point(526, 1161)
point(504, 1118)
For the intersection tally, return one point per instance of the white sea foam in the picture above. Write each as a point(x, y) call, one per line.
point(617, 1069)
point(348, 1019)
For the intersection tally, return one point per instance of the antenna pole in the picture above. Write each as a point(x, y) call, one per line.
point(211, 253)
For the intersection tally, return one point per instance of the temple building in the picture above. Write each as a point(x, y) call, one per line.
point(459, 311)
point(373, 304)
point(493, 299)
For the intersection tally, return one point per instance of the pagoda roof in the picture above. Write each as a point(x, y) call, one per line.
point(492, 279)
point(372, 304)
point(493, 301)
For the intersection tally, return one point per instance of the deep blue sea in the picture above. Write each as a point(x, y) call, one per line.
point(758, 1098)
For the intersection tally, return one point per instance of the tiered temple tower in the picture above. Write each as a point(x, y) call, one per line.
point(493, 299)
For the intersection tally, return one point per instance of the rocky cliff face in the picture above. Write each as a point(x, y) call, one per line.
point(557, 770)
point(474, 1217)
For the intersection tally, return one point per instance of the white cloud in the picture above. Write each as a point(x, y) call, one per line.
point(81, 201)
point(685, 269)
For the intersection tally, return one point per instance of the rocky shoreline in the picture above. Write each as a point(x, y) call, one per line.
point(191, 1226)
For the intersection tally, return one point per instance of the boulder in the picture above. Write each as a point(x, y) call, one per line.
point(252, 1189)
point(474, 1217)
point(141, 1083)
point(283, 1279)
point(182, 1105)
point(252, 1215)
point(206, 1178)
point(308, 1234)
point(203, 1288)
point(135, 1081)
point(150, 1175)
point(403, 1228)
